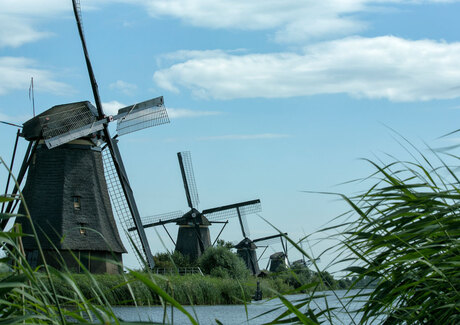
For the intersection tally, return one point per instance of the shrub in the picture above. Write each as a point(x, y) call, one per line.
point(174, 260)
point(220, 262)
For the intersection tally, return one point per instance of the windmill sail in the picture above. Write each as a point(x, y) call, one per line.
point(120, 206)
point(141, 115)
point(160, 219)
point(230, 211)
point(269, 240)
point(80, 119)
point(127, 197)
point(77, 120)
point(188, 177)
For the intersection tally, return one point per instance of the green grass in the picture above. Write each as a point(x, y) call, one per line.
point(187, 290)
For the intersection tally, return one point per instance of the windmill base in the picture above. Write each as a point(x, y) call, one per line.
point(188, 242)
point(93, 261)
point(250, 259)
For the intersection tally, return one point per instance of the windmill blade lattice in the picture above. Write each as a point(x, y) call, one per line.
point(231, 212)
point(238, 210)
point(270, 240)
point(141, 116)
point(244, 221)
point(120, 205)
point(68, 125)
point(187, 169)
point(164, 217)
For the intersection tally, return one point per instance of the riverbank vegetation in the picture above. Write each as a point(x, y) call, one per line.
point(187, 290)
point(401, 236)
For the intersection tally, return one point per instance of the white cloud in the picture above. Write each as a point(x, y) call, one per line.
point(112, 107)
point(15, 32)
point(123, 86)
point(262, 136)
point(290, 20)
point(15, 74)
point(19, 20)
point(175, 113)
point(382, 67)
point(293, 20)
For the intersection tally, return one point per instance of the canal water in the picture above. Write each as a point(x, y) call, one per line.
point(236, 314)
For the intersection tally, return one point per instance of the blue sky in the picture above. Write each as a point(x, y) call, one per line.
point(272, 98)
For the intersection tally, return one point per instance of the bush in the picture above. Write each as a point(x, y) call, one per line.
point(220, 262)
point(174, 260)
point(295, 277)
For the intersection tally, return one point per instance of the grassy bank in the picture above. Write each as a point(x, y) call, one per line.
point(403, 234)
point(187, 290)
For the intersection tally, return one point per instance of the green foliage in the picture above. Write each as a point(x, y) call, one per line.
point(295, 277)
point(174, 260)
point(406, 237)
point(190, 289)
point(223, 243)
point(220, 262)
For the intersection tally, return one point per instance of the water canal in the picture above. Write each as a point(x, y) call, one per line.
point(236, 314)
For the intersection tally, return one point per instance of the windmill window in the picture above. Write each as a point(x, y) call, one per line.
point(82, 229)
point(76, 202)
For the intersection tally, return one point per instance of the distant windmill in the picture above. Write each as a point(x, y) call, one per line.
point(73, 166)
point(246, 248)
point(193, 236)
point(278, 261)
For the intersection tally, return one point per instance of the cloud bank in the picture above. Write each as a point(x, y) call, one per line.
point(383, 67)
point(289, 21)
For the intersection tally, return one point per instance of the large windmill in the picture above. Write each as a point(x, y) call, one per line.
point(246, 248)
point(73, 166)
point(193, 236)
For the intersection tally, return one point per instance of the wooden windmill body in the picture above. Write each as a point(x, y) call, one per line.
point(193, 234)
point(76, 180)
point(67, 195)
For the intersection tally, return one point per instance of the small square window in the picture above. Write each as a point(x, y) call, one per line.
point(76, 202)
point(83, 229)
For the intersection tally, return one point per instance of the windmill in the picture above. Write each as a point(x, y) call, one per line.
point(246, 248)
point(193, 236)
point(76, 180)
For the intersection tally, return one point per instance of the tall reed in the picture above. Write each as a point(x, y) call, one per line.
point(407, 237)
point(403, 233)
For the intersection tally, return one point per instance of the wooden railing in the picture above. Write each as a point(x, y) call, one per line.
point(179, 270)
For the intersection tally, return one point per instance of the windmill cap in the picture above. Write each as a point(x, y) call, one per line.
point(277, 255)
point(194, 216)
point(246, 243)
point(32, 128)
